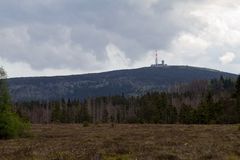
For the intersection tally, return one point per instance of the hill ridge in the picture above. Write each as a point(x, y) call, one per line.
point(128, 81)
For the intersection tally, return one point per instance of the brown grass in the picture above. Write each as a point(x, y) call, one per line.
point(142, 142)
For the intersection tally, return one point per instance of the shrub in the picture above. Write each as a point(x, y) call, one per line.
point(11, 126)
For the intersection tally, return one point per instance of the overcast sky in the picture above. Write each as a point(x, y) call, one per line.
point(59, 37)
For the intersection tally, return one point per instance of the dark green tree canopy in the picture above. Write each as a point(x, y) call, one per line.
point(10, 124)
point(4, 96)
point(238, 86)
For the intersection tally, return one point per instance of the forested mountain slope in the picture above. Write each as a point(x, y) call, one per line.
point(130, 82)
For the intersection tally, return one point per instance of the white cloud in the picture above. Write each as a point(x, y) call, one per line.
point(227, 58)
point(144, 4)
point(21, 69)
point(187, 44)
point(116, 58)
point(219, 21)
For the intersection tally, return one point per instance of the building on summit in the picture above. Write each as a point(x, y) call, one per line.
point(157, 64)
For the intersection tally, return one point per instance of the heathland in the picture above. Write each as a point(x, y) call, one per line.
point(126, 142)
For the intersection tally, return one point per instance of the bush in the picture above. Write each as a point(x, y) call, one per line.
point(11, 126)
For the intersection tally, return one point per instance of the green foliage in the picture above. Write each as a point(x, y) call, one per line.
point(70, 112)
point(4, 96)
point(11, 125)
point(238, 97)
point(56, 113)
point(155, 108)
point(238, 86)
point(171, 115)
point(186, 114)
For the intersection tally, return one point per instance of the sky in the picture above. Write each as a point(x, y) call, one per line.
point(62, 37)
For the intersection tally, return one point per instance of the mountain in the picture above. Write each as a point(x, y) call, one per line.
point(129, 82)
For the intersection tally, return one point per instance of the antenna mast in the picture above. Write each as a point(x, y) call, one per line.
point(156, 60)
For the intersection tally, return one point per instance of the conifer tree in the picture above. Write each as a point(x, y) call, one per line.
point(238, 97)
point(238, 86)
point(11, 125)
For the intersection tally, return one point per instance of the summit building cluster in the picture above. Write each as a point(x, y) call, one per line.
point(162, 64)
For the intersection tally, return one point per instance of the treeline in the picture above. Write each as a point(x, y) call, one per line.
point(201, 102)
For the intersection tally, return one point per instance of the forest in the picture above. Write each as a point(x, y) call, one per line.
point(200, 102)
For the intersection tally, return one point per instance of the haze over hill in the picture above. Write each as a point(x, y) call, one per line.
point(129, 82)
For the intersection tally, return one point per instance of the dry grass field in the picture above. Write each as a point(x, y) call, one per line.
point(141, 142)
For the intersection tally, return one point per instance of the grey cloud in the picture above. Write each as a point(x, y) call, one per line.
point(74, 34)
point(91, 26)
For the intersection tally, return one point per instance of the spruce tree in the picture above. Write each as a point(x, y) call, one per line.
point(238, 97)
point(238, 86)
point(11, 125)
point(186, 114)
